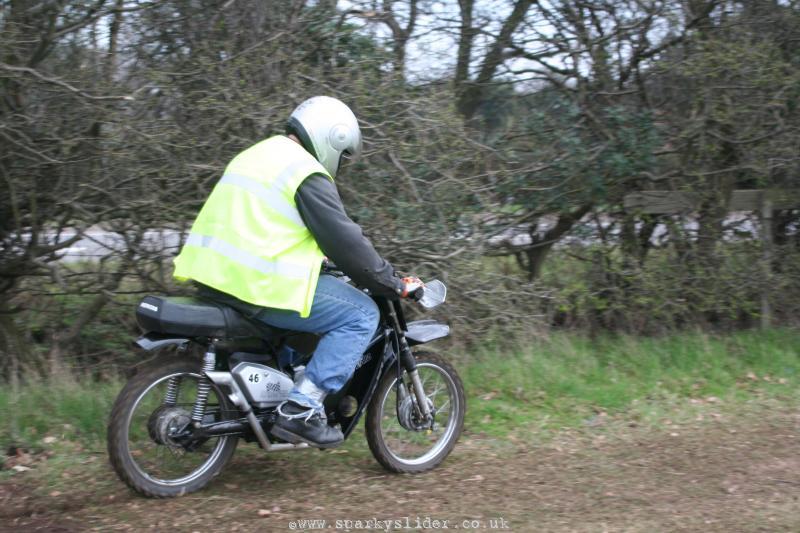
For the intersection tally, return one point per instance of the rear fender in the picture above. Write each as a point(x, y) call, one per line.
point(151, 342)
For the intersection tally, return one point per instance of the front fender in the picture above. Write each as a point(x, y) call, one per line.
point(422, 331)
point(152, 341)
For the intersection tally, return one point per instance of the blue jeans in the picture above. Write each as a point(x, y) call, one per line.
point(346, 320)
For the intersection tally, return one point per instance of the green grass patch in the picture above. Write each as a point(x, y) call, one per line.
point(568, 380)
point(563, 381)
point(67, 410)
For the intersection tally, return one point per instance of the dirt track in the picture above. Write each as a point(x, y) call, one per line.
point(714, 473)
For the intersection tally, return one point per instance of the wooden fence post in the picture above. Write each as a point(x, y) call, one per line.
point(766, 238)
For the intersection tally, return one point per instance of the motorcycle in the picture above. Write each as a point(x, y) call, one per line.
point(177, 422)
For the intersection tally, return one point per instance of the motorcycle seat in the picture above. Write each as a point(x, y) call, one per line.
point(194, 317)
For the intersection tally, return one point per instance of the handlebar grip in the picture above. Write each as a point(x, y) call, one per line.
point(417, 294)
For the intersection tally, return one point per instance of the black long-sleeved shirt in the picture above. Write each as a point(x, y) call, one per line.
point(341, 239)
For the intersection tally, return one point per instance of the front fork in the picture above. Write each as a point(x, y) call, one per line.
point(410, 365)
point(407, 362)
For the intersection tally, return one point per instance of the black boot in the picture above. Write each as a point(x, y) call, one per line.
point(297, 423)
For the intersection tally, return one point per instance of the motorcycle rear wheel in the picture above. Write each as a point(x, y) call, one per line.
point(414, 449)
point(139, 445)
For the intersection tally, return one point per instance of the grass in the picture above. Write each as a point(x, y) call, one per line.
point(570, 380)
point(567, 380)
point(69, 410)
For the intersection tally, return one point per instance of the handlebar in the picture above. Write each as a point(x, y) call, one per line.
point(417, 295)
point(436, 293)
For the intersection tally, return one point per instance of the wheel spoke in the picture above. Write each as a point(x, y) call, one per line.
point(441, 408)
point(423, 381)
point(436, 391)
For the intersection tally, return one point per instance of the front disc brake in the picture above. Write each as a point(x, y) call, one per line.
point(408, 416)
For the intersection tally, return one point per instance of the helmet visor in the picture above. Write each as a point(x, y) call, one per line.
point(346, 159)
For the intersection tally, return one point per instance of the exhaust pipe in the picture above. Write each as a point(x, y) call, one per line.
point(238, 398)
point(225, 427)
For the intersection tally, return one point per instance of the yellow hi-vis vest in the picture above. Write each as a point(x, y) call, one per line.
point(248, 239)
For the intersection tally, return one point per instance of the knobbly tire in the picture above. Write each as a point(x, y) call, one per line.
point(379, 413)
point(118, 431)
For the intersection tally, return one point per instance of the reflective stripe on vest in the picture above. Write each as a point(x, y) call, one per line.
point(251, 261)
point(267, 196)
point(249, 240)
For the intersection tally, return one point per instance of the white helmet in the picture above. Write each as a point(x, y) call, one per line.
point(327, 129)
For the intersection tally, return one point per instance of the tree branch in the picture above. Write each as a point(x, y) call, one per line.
point(61, 83)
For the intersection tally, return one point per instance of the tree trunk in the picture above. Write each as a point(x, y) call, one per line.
point(13, 347)
point(532, 258)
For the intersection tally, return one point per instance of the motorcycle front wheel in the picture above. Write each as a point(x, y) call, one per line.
point(398, 439)
point(149, 416)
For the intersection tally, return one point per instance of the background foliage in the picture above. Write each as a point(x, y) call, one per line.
point(501, 140)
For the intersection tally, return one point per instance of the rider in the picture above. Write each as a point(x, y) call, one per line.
point(260, 239)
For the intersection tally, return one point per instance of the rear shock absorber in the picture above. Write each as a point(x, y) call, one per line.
point(171, 396)
point(204, 385)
